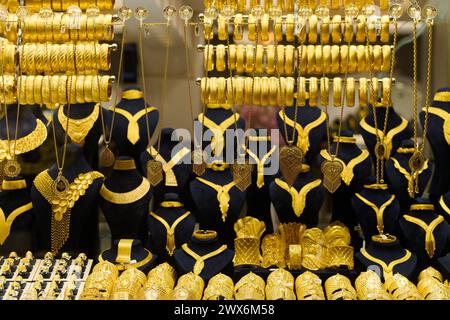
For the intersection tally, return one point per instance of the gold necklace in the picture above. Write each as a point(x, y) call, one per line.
point(347, 173)
point(27, 143)
point(387, 268)
point(379, 211)
point(223, 196)
point(6, 222)
point(79, 128)
point(126, 197)
point(410, 177)
point(260, 164)
point(218, 139)
point(167, 166)
point(430, 241)
point(199, 264)
point(135, 265)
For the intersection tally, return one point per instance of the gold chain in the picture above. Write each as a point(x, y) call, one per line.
point(415, 83)
point(427, 94)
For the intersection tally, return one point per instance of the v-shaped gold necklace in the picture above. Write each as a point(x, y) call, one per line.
point(200, 260)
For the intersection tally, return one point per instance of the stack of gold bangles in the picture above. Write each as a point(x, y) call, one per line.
point(431, 285)
point(129, 285)
point(369, 287)
point(100, 282)
point(7, 89)
point(8, 52)
point(400, 288)
point(63, 5)
point(51, 58)
point(280, 285)
point(189, 287)
point(308, 286)
point(220, 287)
point(339, 287)
point(339, 251)
point(250, 287)
point(160, 283)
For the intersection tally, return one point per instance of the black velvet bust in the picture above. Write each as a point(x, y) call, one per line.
point(138, 254)
point(119, 135)
point(158, 232)
point(414, 235)
point(366, 215)
point(440, 183)
point(394, 121)
point(398, 183)
point(19, 238)
point(221, 263)
point(207, 210)
point(182, 170)
point(90, 143)
point(443, 265)
point(126, 221)
point(387, 252)
point(305, 116)
point(282, 200)
point(37, 112)
point(83, 236)
point(443, 207)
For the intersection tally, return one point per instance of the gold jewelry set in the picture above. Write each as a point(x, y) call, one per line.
point(248, 231)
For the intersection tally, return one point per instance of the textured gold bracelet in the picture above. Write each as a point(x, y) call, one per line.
point(337, 92)
point(257, 84)
point(301, 34)
point(374, 88)
point(289, 59)
point(363, 92)
point(98, 27)
point(54, 89)
point(22, 95)
point(290, 26)
point(79, 89)
point(29, 87)
point(240, 56)
point(270, 52)
point(90, 29)
point(48, 25)
point(208, 57)
point(350, 92)
point(386, 65)
point(40, 30)
point(105, 86)
point(386, 91)
point(301, 91)
point(37, 91)
point(377, 58)
point(259, 63)
point(312, 33)
point(265, 27)
point(96, 89)
point(46, 98)
point(325, 30)
point(82, 33)
point(336, 33)
point(220, 57)
point(56, 27)
point(313, 89)
point(352, 59)
point(70, 56)
point(280, 59)
point(345, 61)
point(371, 31)
point(384, 35)
point(348, 29)
point(361, 29)
point(89, 60)
point(318, 59)
point(278, 29)
point(311, 64)
point(222, 28)
point(249, 56)
point(238, 32)
point(324, 91)
point(335, 55)
point(38, 58)
point(62, 89)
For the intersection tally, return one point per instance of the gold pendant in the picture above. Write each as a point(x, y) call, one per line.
point(242, 175)
point(154, 172)
point(380, 151)
point(416, 161)
point(291, 158)
point(331, 175)
point(107, 158)
point(198, 165)
point(60, 185)
point(12, 168)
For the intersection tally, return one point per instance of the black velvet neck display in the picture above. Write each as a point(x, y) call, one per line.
point(443, 265)
point(19, 238)
point(138, 253)
point(367, 217)
point(121, 126)
point(221, 263)
point(414, 235)
point(440, 182)
point(83, 234)
point(182, 171)
point(398, 183)
point(80, 111)
point(387, 252)
point(305, 116)
point(158, 232)
point(394, 120)
point(282, 201)
point(207, 210)
point(126, 221)
point(444, 211)
point(37, 112)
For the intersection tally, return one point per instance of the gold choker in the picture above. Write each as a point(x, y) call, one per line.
point(78, 129)
point(406, 150)
point(126, 197)
point(31, 141)
point(124, 165)
point(376, 186)
point(135, 265)
point(421, 207)
point(171, 204)
point(442, 96)
point(14, 184)
point(344, 139)
point(132, 94)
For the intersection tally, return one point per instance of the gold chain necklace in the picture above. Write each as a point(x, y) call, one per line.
point(79, 128)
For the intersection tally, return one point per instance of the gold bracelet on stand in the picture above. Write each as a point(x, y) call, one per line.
point(386, 49)
point(325, 30)
point(221, 87)
point(46, 98)
point(301, 33)
point(96, 89)
point(222, 28)
point(352, 59)
point(290, 84)
point(311, 62)
point(208, 57)
point(270, 52)
point(377, 58)
point(280, 59)
point(313, 88)
point(240, 56)
point(384, 34)
point(326, 56)
point(290, 26)
point(239, 91)
point(301, 91)
point(259, 62)
point(324, 91)
point(302, 58)
point(249, 56)
point(312, 32)
point(54, 83)
point(248, 90)
point(265, 19)
point(348, 29)
point(252, 28)
point(212, 98)
point(220, 57)
point(318, 59)
point(238, 32)
point(345, 61)
point(374, 87)
point(37, 89)
point(232, 57)
point(361, 29)
point(87, 85)
point(79, 89)
point(363, 92)
point(273, 91)
point(337, 92)
point(386, 91)
point(335, 55)
point(82, 34)
point(265, 90)
point(361, 58)
point(257, 83)
point(29, 88)
point(336, 33)
point(279, 29)
point(350, 92)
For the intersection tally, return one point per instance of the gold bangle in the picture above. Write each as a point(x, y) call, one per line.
point(222, 28)
point(249, 56)
point(82, 33)
point(289, 5)
point(29, 97)
point(310, 67)
point(337, 92)
point(48, 30)
point(325, 30)
point(386, 91)
point(87, 85)
point(71, 89)
point(265, 27)
point(352, 59)
point(108, 27)
point(374, 91)
point(301, 91)
point(326, 56)
point(335, 4)
point(240, 54)
point(22, 89)
point(336, 33)
point(98, 27)
point(56, 27)
point(62, 89)
point(281, 97)
point(239, 90)
point(302, 58)
point(31, 26)
point(270, 52)
point(301, 35)
point(90, 29)
point(79, 89)
point(38, 58)
point(312, 33)
point(70, 56)
point(256, 90)
point(220, 57)
point(290, 83)
point(313, 88)
point(248, 91)
point(105, 88)
point(212, 97)
point(371, 30)
point(251, 28)
point(208, 57)
point(384, 35)
point(64, 28)
point(280, 59)
point(345, 60)
point(37, 91)
point(265, 88)
point(335, 55)
point(324, 91)
point(363, 92)
point(54, 98)
point(273, 94)
point(319, 59)
point(31, 64)
point(294, 260)
point(46, 59)
point(386, 65)
point(278, 29)
point(238, 32)
point(63, 57)
point(54, 62)
point(348, 29)
point(232, 57)
point(73, 32)
point(350, 92)
point(362, 58)
point(79, 57)
point(221, 87)
point(377, 58)
point(361, 29)
point(208, 33)
point(90, 63)
point(290, 25)
point(96, 88)
point(289, 59)
point(46, 98)
point(259, 63)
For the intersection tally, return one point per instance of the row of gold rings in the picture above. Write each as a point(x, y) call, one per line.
point(60, 89)
point(49, 58)
point(7, 56)
point(63, 5)
point(61, 28)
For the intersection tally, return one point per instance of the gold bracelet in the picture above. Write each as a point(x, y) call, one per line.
point(350, 92)
point(56, 26)
point(248, 91)
point(87, 86)
point(70, 56)
point(294, 260)
point(265, 27)
point(348, 29)
point(371, 31)
point(386, 65)
point(96, 89)
point(63, 57)
point(46, 59)
point(54, 98)
point(232, 57)
point(249, 56)
point(257, 83)
point(90, 29)
point(362, 58)
point(38, 58)
point(273, 94)
point(222, 28)
point(54, 62)
point(79, 89)
point(280, 59)
point(265, 87)
point(229, 91)
point(62, 89)
point(301, 91)
point(337, 91)
point(281, 98)
point(82, 33)
point(90, 62)
point(361, 29)
point(270, 52)
point(290, 83)
point(301, 35)
point(37, 91)
point(345, 60)
point(384, 35)
point(336, 33)
point(377, 58)
point(335, 55)
point(221, 87)
point(325, 30)
point(29, 96)
point(374, 91)
point(290, 26)
point(310, 66)
point(46, 98)
point(363, 92)
point(220, 57)
point(312, 33)
point(22, 89)
point(105, 88)
point(251, 28)
point(35, 28)
point(98, 27)
point(326, 56)
point(259, 63)
point(240, 55)
point(324, 91)
point(71, 89)
point(386, 92)
point(208, 33)
point(302, 58)
point(238, 32)
point(239, 90)
point(208, 57)
point(64, 28)
point(79, 57)
point(212, 98)
point(278, 29)
point(352, 59)
point(319, 59)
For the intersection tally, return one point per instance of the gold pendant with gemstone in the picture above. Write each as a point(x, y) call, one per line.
point(291, 158)
point(154, 172)
point(331, 171)
point(60, 185)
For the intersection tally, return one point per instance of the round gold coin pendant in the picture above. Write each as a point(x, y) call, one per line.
point(12, 168)
point(60, 185)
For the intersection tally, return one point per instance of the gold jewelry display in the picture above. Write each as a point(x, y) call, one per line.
point(26, 143)
point(160, 283)
point(369, 287)
point(280, 285)
point(199, 263)
point(126, 197)
point(430, 241)
point(219, 287)
point(189, 287)
point(308, 286)
point(250, 287)
point(78, 129)
point(339, 287)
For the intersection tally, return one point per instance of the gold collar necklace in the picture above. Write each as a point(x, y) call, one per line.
point(347, 173)
point(133, 134)
point(218, 139)
point(223, 196)
point(6, 222)
point(27, 143)
point(170, 230)
point(388, 269)
point(430, 241)
point(78, 129)
point(199, 264)
point(126, 197)
point(411, 177)
point(167, 166)
point(379, 211)
point(260, 164)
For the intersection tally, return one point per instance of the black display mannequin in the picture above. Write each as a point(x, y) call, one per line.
point(171, 211)
point(358, 163)
point(397, 129)
point(439, 139)
point(182, 170)
point(15, 223)
point(83, 235)
point(443, 265)
point(379, 196)
point(37, 111)
point(398, 182)
point(207, 210)
point(310, 119)
point(220, 263)
point(264, 152)
point(387, 252)
point(81, 111)
point(143, 259)
point(126, 215)
point(132, 104)
point(443, 207)
point(414, 235)
point(283, 201)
